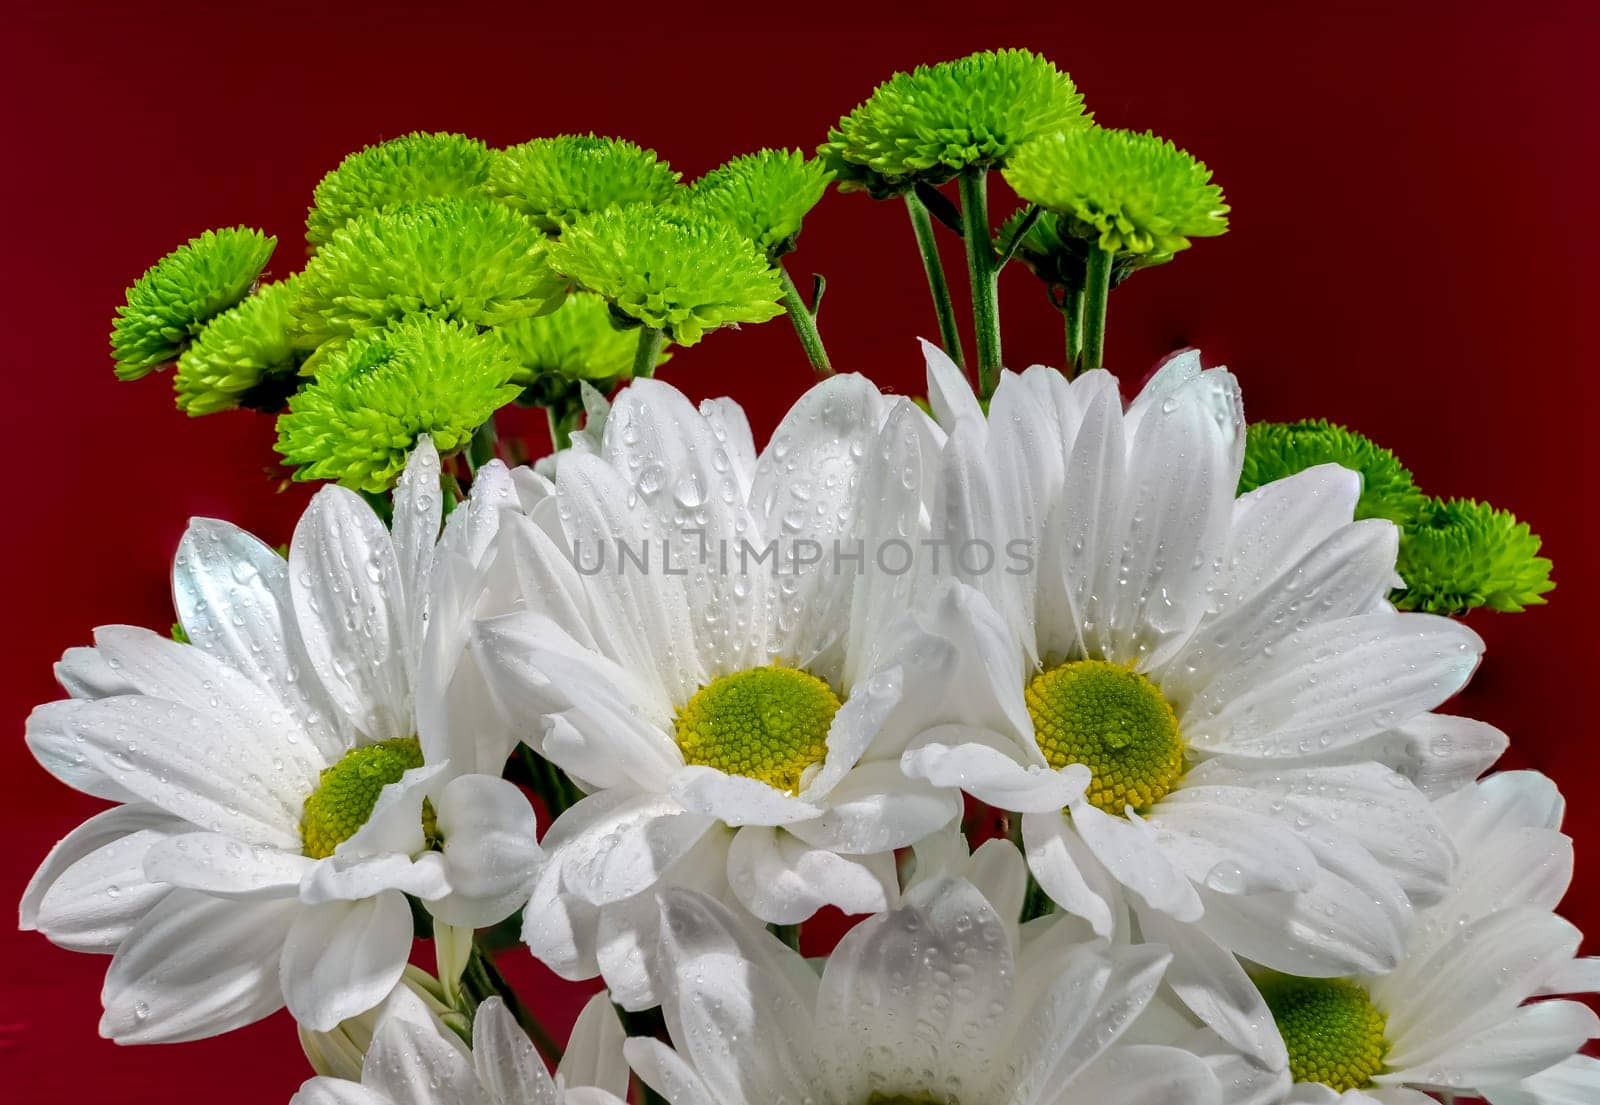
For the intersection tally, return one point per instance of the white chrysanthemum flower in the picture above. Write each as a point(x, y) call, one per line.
point(285, 780)
point(1193, 667)
point(1454, 1018)
point(414, 1060)
point(939, 1000)
point(731, 706)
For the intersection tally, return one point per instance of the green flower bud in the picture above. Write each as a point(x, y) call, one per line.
point(937, 120)
point(376, 395)
point(1131, 193)
point(183, 291)
point(763, 195)
point(1463, 554)
point(678, 271)
point(1274, 450)
point(245, 357)
point(402, 170)
point(554, 180)
point(460, 258)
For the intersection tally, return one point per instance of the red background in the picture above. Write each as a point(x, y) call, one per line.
point(1413, 234)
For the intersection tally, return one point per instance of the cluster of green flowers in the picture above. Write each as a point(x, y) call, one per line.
point(1455, 554)
point(447, 279)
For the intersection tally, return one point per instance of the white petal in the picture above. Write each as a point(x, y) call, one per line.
point(418, 511)
point(509, 1067)
point(1142, 1074)
point(350, 878)
point(736, 799)
point(412, 1061)
point(949, 393)
point(1277, 524)
point(490, 850)
point(1530, 1040)
point(1069, 872)
point(1232, 850)
point(1130, 850)
point(594, 1049)
point(84, 673)
point(614, 845)
point(665, 1071)
point(1504, 801)
point(876, 808)
point(195, 966)
point(559, 928)
point(783, 880)
point(222, 866)
point(987, 767)
point(1575, 1081)
point(55, 741)
point(349, 602)
point(91, 889)
point(856, 726)
point(337, 1091)
point(343, 958)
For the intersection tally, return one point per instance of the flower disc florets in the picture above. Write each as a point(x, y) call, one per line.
point(1132, 193)
point(183, 291)
point(246, 356)
point(462, 258)
point(347, 792)
point(373, 398)
point(679, 271)
point(402, 170)
point(1331, 1029)
point(1274, 450)
point(767, 723)
point(933, 122)
point(1462, 554)
point(763, 195)
point(554, 180)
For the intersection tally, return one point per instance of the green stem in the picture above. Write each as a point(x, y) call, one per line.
point(560, 430)
point(805, 324)
point(983, 272)
point(1097, 287)
point(1072, 316)
point(483, 980)
point(480, 450)
point(649, 352)
point(949, 336)
point(789, 934)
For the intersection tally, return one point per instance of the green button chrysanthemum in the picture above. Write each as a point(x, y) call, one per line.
point(555, 180)
point(933, 122)
point(402, 170)
point(678, 271)
point(1132, 193)
point(183, 291)
point(763, 195)
point(1274, 450)
point(375, 396)
point(578, 341)
point(462, 258)
point(244, 357)
point(1463, 554)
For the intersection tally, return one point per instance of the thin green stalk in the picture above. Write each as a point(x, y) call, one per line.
point(649, 352)
point(943, 308)
point(983, 272)
point(1097, 287)
point(1072, 316)
point(805, 324)
point(789, 934)
point(560, 430)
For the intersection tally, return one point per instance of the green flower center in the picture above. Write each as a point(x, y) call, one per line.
point(1333, 1032)
point(767, 723)
point(1116, 723)
point(347, 791)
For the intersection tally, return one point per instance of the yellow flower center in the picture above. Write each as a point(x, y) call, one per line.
point(1116, 723)
point(1333, 1032)
point(347, 791)
point(767, 723)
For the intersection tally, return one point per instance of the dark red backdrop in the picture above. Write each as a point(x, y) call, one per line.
point(1413, 233)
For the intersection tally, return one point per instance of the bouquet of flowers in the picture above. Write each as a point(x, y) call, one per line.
point(1112, 727)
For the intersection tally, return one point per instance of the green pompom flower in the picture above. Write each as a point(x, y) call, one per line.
point(555, 180)
point(1463, 554)
point(1132, 193)
point(763, 195)
point(678, 271)
point(183, 291)
point(579, 341)
point(937, 120)
point(460, 258)
point(1274, 450)
point(374, 397)
point(244, 357)
point(402, 170)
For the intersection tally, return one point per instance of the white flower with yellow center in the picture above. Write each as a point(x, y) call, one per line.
point(1196, 667)
point(414, 1060)
point(1454, 1018)
point(730, 693)
point(941, 1000)
point(285, 780)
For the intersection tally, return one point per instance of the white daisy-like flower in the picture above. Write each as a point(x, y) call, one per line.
point(1196, 668)
point(711, 649)
point(1454, 1018)
point(285, 780)
point(414, 1060)
point(939, 1000)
